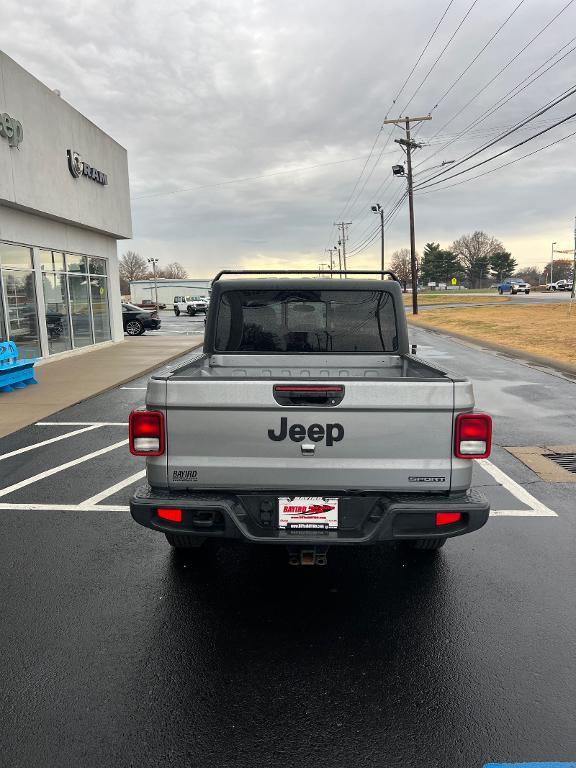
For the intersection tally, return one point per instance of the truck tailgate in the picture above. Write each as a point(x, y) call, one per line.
point(383, 435)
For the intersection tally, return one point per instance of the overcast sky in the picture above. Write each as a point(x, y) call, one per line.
point(216, 91)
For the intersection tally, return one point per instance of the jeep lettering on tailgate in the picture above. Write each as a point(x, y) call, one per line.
point(333, 433)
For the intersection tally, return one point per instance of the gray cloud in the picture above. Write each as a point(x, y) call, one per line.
point(205, 92)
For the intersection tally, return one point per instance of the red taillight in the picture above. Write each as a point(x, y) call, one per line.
point(445, 518)
point(146, 432)
point(173, 515)
point(473, 439)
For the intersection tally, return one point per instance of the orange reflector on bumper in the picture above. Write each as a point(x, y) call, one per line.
point(445, 518)
point(174, 515)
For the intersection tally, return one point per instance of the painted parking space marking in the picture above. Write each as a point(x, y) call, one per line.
point(140, 389)
point(537, 509)
point(64, 507)
point(93, 500)
point(48, 442)
point(81, 424)
point(60, 468)
point(501, 507)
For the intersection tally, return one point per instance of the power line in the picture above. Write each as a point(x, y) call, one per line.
point(498, 167)
point(512, 93)
point(554, 102)
point(248, 178)
point(480, 52)
point(395, 99)
point(505, 151)
point(505, 67)
point(442, 52)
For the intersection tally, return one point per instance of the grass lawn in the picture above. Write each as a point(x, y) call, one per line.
point(425, 299)
point(540, 329)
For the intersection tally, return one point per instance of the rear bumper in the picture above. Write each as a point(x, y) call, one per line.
point(364, 519)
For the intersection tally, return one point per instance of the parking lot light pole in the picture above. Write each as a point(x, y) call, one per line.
point(378, 209)
point(552, 264)
point(154, 262)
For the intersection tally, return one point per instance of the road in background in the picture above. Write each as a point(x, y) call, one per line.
point(115, 651)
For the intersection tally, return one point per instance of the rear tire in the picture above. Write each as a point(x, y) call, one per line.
point(134, 328)
point(176, 311)
point(500, 291)
point(526, 292)
point(426, 544)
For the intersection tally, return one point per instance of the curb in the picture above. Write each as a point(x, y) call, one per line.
point(528, 357)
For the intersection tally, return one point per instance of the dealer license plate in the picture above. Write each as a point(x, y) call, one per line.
point(304, 512)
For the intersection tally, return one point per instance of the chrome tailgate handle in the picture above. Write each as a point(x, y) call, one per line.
point(308, 449)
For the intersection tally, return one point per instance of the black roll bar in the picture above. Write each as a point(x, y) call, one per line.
point(303, 272)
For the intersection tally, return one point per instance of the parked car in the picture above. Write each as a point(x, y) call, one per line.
point(137, 320)
point(149, 304)
point(560, 285)
point(339, 435)
point(190, 304)
point(514, 285)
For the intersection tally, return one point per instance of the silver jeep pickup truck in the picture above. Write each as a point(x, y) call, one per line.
point(306, 422)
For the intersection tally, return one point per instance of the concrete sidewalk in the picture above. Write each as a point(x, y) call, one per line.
point(69, 380)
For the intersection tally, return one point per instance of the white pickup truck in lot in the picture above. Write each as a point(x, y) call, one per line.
point(190, 305)
point(307, 423)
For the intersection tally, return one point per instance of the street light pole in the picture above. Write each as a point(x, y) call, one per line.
point(378, 209)
point(552, 264)
point(154, 262)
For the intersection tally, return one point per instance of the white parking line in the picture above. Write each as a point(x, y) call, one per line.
point(63, 508)
point(47, 442)
point(60, 468)
point(112, 490)
point(537, 508)
point(81, 424)
point(138, 388)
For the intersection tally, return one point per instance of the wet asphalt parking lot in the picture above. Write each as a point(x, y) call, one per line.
point(116, 652)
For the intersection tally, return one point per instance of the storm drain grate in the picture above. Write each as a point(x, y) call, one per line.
point(566, 460)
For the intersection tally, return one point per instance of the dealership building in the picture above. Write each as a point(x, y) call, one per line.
point(64, 204)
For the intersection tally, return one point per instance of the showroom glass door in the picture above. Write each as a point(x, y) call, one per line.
point(80, 310)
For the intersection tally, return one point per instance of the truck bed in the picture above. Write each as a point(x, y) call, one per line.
point(306, 366)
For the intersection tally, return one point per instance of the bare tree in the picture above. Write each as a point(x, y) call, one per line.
point(174, 271)
point(131, 266)
point(475, 252)
point(400, 264)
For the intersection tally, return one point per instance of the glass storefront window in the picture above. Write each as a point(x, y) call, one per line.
point(57, 322)
point(52, 261)
point(80, 310)
point(100, 313)
point(15, 256)
point(76, 263)
point(21, 309)
point(97, 266)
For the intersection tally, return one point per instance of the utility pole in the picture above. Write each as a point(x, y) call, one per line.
point(342, 225)
point(551, 264)
point(408, 145)
point(154, 262)
point(573, 266)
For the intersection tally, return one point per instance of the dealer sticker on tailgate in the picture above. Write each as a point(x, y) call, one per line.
point(307, 512)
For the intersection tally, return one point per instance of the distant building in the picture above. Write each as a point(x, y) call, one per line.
point(167, 289)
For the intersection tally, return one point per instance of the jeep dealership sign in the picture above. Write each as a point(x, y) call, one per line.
point(11, 129)
point(79, 167)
